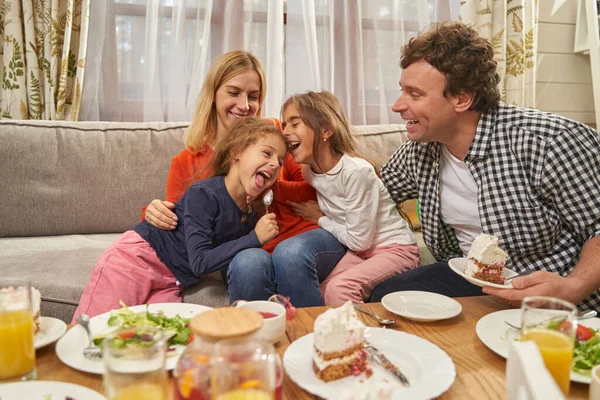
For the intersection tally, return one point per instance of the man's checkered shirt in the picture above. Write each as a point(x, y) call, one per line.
point(538, 188)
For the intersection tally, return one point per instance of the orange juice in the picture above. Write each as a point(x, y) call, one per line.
point(245, 394)
point(146, 391)
point(557, 352)
point(17, 354)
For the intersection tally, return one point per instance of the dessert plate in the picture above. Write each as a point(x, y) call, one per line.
point(421, 306)
point(51, 329)
point(43, 390)
point(69, 348)
point(428, 368)
point(493, 332)
point(458, 265)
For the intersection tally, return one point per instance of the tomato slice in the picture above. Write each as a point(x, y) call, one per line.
point(128, 333)
point(584, 333)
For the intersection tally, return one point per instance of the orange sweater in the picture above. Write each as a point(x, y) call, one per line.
point(290, 186)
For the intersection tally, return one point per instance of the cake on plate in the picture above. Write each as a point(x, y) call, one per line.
point(486, 259)
point(339, 337)
point(36, 299)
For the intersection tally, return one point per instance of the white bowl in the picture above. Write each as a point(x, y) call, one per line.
point(272, 328)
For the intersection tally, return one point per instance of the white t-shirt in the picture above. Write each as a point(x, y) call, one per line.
point(358, 209)
point(458, 199)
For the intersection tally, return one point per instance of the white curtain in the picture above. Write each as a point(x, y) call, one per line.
point(150, 57)
point(352, 48)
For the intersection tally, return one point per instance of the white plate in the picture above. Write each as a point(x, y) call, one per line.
point(428, 368)
point(69, 348)
point(43, 390)
point(495, 334)
point(458, 265)
point(51, 329)
point(421, 306)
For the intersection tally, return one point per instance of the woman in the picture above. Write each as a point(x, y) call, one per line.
point(293, 266)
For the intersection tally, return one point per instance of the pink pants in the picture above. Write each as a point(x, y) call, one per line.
point(357, 274)
point(128, 270)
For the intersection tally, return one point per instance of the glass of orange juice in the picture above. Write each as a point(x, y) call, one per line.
point(17, 353)
point(135, 364)
point(243, 370)
point(551, 323)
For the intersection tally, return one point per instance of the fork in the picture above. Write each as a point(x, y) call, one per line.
point(585, 315)
point(91, 352)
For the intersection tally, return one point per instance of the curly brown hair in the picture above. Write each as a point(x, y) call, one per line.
point(462, 56)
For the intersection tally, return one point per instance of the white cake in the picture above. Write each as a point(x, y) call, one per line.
point(486, 259)
point(339, 337)
point(13, 299)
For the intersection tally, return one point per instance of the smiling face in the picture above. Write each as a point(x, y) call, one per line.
point(299, 137)
point(237, 98)
point(430, 116)
point(258, 166)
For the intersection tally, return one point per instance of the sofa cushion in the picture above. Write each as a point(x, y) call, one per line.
point(60, 267)
point(62, 178)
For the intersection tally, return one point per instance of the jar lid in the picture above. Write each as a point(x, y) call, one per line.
point(226, 322)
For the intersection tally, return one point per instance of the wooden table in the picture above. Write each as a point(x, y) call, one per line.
point(479, 371)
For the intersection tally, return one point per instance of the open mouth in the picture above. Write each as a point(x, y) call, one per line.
point(262, 177)
point(234, 115)
point(412, 122)
point(293, 145)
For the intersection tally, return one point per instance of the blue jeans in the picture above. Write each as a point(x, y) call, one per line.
point(295, 269)
point(436, 278)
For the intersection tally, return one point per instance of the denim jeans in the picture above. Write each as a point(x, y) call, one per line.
point(436, 278)
point(295, 269)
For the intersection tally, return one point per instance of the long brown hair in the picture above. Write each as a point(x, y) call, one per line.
point(322, 111)
point(203, 130)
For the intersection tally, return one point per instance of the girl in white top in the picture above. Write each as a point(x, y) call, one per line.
point(353, 204)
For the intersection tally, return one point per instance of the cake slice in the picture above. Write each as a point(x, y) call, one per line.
point(339, 337)
point(486, 259)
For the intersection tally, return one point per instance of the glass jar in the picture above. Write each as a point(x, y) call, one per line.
point(192, 373)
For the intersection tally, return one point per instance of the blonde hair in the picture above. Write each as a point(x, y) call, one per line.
point(322, 111)
point(203, 130)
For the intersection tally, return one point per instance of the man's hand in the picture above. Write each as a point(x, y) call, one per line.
point(539, 283)
point(159, 214)
point(308, 210)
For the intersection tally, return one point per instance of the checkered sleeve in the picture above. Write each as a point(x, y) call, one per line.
point(396, 174)
point(571, 178)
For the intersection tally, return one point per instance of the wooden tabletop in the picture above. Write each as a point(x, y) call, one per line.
point(479, 371)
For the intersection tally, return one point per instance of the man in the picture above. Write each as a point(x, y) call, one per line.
point(529, 177)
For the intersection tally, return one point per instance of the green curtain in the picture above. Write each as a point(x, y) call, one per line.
point(43, 58)
point(511, 26)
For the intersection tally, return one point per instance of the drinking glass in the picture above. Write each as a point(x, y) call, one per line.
point(551, 324)
point(17, 353)
point(135, 364)
point(243, 369)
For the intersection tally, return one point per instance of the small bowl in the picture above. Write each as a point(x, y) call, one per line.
point(273, 327)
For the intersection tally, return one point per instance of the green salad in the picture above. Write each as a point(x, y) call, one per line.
point(586, 352)
point(132, 324)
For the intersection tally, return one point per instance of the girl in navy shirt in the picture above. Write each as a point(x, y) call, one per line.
point(151, 265)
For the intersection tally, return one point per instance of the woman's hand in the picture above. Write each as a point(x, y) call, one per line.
point(266, 228)
point(159, 214)
point(308, 210)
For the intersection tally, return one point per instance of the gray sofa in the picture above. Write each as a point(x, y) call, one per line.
point(69, 190)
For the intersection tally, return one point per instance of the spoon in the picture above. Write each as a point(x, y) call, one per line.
point(384, 322)
point(268, 199)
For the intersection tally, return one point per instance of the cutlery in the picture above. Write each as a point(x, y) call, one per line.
point(385, 363)
point(384, 322)
point(91, 352)
point(510, 278)
point(585, 315)
point(268, 199)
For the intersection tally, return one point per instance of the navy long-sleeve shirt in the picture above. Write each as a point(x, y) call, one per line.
point(209, 232)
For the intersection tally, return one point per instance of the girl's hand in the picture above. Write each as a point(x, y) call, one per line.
point(266, 228)
point(308, 210)
point(159, 214)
